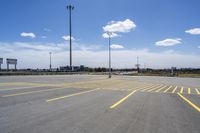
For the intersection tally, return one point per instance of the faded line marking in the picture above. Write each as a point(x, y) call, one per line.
point(174, 89)
point(21, 88)
point(197, 91)
point(30, 92)
point(167, 89)
point(160, 88)
point(123, 99)
point(71, 95)
point(145, 88)
point(12, 83)
point(155, 88)
point(148, 88)
point(189, 102)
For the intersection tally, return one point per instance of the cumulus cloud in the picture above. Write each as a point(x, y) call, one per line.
point(119, 26)
point(28, 34)
point(169, 42)
point(67, 38)
point(116, 46)
point(105, 35)
point(195, 31)
point(116, 27)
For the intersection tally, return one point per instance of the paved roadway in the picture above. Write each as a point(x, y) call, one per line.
point(95, 104)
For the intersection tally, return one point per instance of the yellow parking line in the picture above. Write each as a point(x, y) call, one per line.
point(189, 91)
point(174, 89)
point(123, 99)
point(71, 95)
point(160, 88)
point(149, 87)
point(143, 87)
point(19, 88)
point(24, 84)
point(135, 87)
point(189, 102)
point(123, 89)
point(197, 91)
point(167, 89)
point(181, 91)
point(154, 88)
point(30, 92)
point(13, 83)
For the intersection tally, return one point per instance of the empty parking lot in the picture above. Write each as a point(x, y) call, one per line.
point(96, 104)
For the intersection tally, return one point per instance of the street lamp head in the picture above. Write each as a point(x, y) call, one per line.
point(109, 33)
point(70, 7)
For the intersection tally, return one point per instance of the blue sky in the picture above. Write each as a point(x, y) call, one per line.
point(159, 30)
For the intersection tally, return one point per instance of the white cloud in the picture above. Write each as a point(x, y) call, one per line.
point(198, 46)
point(119, 26)
point(105, 35)
point(195, 31)
point(23, 46)
point(169, 42)
point(116, 46)
point(29, 35)
point(46, 47)
point(67, 38)
point(36, 55)
point(83, 47)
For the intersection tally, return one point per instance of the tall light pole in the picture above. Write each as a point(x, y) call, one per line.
point(138, 65)
point(70, 8)
point(50, 61)
point(109, 38)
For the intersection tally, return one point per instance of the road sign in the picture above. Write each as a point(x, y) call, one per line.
point(12, 61)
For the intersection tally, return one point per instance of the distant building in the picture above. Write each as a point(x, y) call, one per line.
point(65, 68)
point(82, 68)
point(74, 68)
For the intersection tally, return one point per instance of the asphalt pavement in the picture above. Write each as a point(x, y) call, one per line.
point(96, 104)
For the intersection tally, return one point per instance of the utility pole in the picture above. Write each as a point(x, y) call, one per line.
point(70, 8)
point(50, 61)
point(144, 66)
point(109, 34)
point(1, 62)
point(138, 65)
